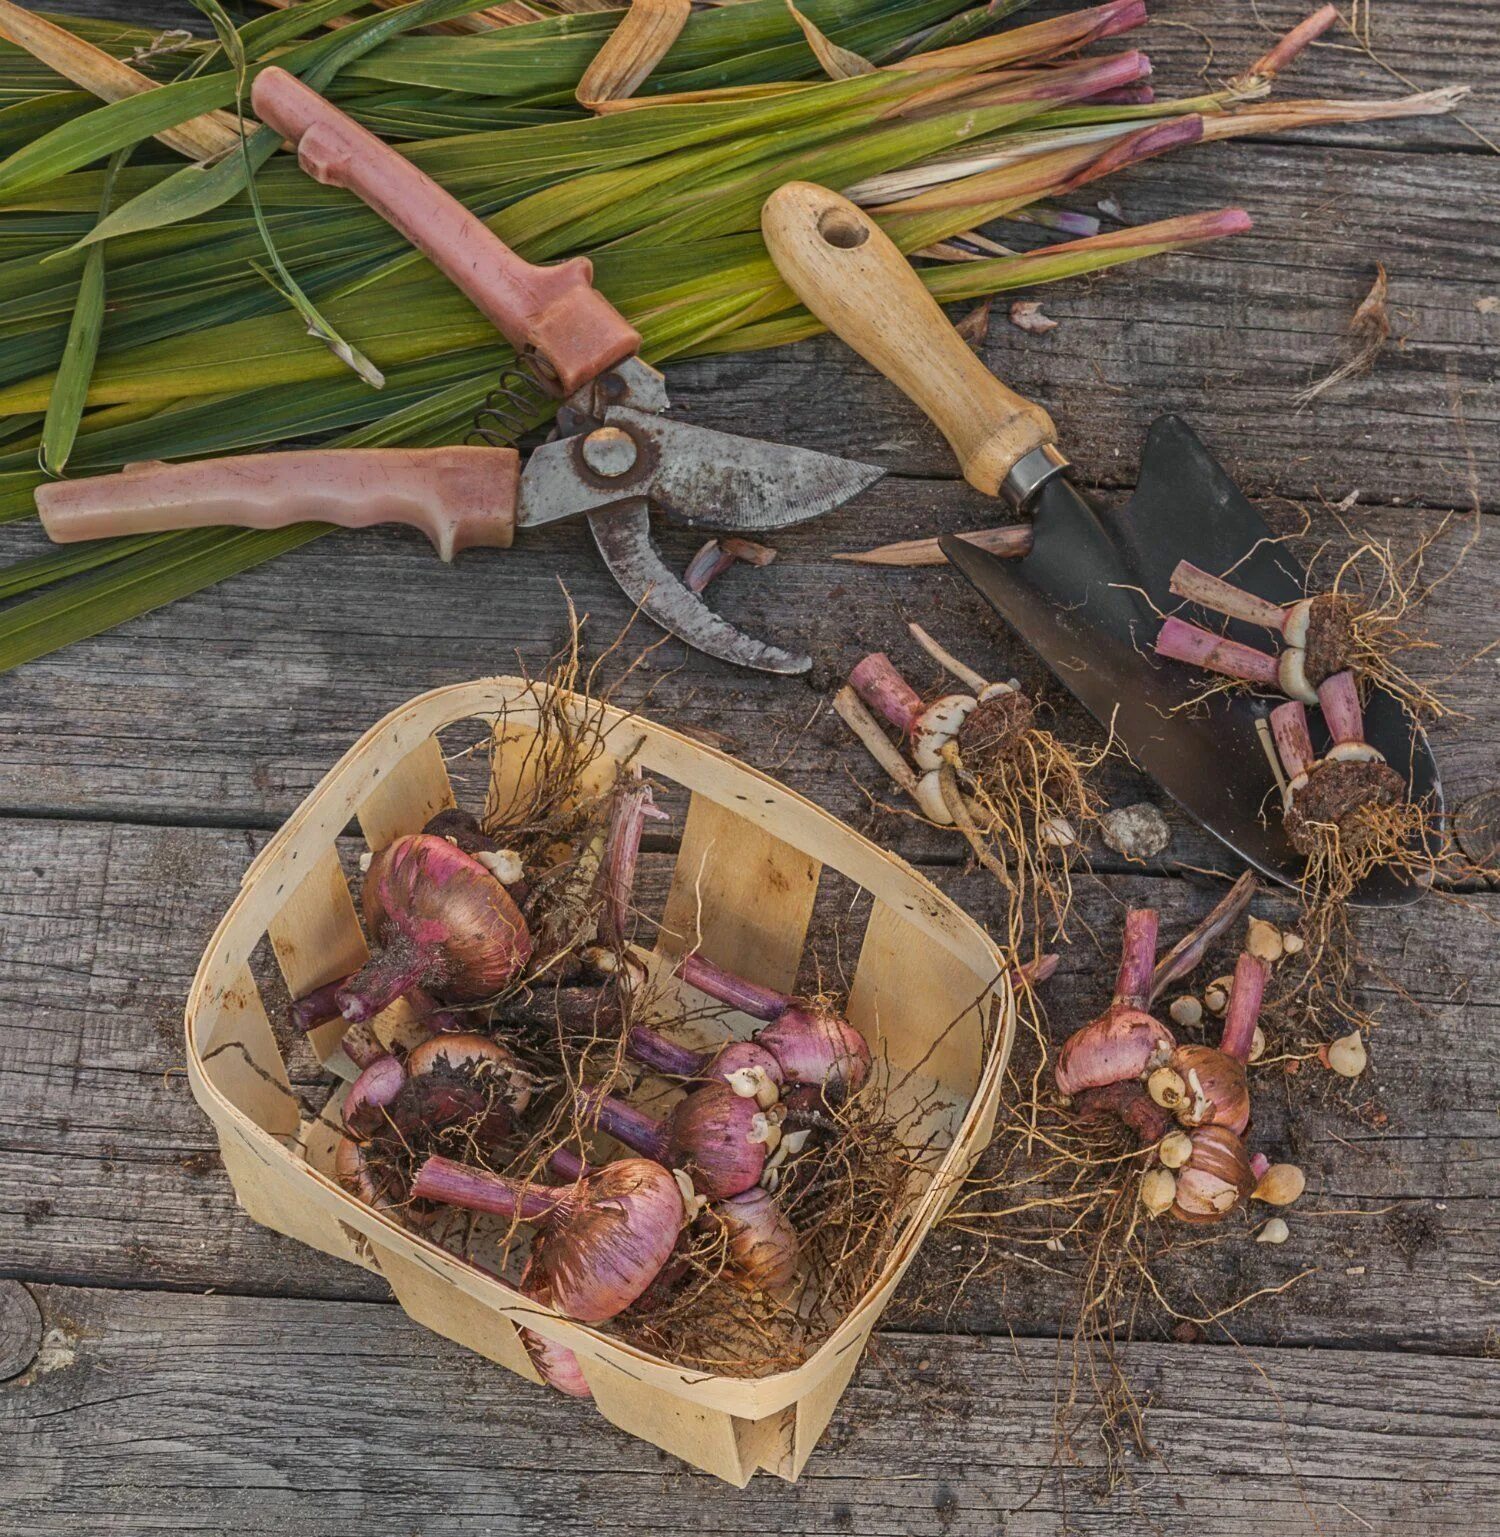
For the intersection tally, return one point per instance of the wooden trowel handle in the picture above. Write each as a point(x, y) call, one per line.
point(847, 271)
point(459, 497)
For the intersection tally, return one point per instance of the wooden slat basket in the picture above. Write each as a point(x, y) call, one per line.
point(929, 993)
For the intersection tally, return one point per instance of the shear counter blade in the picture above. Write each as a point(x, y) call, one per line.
point(623, 535)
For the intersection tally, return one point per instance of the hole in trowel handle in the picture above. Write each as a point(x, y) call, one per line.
point(841, 228)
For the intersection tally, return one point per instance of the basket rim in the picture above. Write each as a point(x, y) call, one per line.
point(759, 1395)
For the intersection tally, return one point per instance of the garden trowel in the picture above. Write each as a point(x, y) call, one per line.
point(1090, 595)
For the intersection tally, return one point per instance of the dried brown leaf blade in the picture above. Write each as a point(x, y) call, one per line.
point(640, 42)
point(111, 79)
point(837, 63)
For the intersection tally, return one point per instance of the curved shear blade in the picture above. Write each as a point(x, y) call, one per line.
point(623, 535)
point(735, 485)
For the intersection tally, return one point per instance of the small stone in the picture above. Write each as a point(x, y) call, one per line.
point(1137, 832)
point(1264, 941)
point(1347, 1056)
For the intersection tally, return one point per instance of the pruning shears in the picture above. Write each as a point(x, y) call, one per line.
point(613, 456)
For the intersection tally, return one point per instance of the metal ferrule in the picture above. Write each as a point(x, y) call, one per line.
point(1030, 473)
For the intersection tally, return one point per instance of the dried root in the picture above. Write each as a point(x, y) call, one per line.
point(1369, 331)
point(1068, 1186)
point(980, 763)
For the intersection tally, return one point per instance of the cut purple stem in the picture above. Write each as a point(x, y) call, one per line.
point(633, 808)
point(1293, 743)
point(1034, 973)
point(1245, 995)
point(1107, 20)
point(1184, 642)
point(391, 971)
point(711, 561)
point(1199, 586)
point(718, 555)
point(566, 1164)
point(1175, 133)
point(665, 1056)
point(1305, 32)
point(629, 1124)
point(1339, 697)
point(460, 1184)
point(877, 682)
point(747, 997)
point(1137, 958)
point(318, 1007)
point(1078, 81)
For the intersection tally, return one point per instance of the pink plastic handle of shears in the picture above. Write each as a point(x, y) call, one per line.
point(459, 496)
point(553, 315)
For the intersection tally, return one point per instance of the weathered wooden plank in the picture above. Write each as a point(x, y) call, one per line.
point(244, 1415)
point(109, 1172)
point(230, 706)
point(1226, 337)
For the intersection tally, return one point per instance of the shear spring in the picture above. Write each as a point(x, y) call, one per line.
point(510, 410)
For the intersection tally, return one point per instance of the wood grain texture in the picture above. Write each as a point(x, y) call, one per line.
point(318, 1409)
point(849, 273)
point(1225, 336)
point(228, 707)
point(109, 1171)
point(244, 1415)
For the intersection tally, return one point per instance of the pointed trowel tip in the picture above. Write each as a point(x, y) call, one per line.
point(969, 560)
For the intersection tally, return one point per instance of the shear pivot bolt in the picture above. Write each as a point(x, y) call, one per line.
point(609, 451)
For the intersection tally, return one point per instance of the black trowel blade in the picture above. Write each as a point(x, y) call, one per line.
point(1072, 601)
point(1185, 507)
point(1076, 600)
